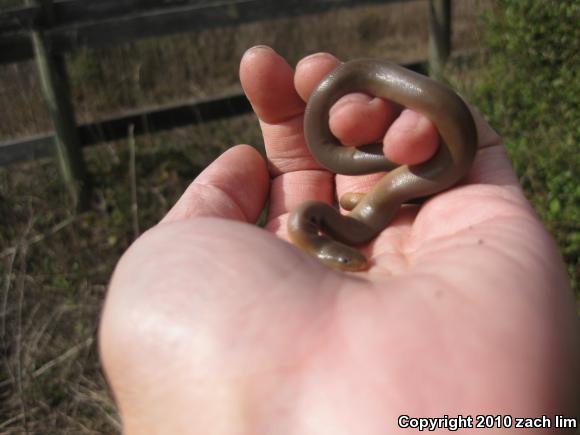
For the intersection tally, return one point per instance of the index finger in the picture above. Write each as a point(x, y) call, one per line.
point(268, 82)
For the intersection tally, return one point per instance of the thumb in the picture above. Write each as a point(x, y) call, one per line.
point(234, 187)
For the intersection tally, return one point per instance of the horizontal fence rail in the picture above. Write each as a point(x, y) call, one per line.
point(146, 120)
point(94, 23)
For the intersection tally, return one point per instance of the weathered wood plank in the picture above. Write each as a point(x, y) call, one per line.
point(31, 148)
point(164, 118)
point(176, 16)
point(69, 12)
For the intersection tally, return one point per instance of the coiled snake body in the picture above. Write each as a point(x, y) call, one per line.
point(319, 228)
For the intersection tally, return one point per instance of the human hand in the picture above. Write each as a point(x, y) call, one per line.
point(213, 325)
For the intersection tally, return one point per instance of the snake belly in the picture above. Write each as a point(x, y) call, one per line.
point(321, 229)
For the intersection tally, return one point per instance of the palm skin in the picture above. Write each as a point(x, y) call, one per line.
point(214, 326)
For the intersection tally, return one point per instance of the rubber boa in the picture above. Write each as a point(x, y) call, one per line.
point(320, 228)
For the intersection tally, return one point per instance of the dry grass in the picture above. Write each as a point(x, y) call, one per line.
point(55, 266)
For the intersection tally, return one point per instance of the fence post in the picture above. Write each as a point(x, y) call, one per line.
point(439, 36)
point(54, 83)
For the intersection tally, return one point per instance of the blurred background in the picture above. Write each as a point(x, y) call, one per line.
point(153, 86)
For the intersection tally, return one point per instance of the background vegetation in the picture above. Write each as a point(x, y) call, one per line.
point(529, 89)
point(55, 265)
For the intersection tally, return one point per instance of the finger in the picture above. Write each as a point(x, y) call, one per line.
point(268, 81)
point(358, 119)
point(412, 139)
point(234, 186)
point(309, 72)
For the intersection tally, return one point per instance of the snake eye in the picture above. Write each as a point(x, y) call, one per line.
point(343, 260)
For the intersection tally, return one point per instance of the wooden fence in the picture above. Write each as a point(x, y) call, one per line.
point(46, 29)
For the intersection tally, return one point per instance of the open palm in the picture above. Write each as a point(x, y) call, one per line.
point(214, 326)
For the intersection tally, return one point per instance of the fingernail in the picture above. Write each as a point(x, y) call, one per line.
point(256, 48)
point(260, 47)
point(320, 55)
point(411, 120)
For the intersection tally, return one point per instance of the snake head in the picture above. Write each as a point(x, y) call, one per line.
point(342, 257)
